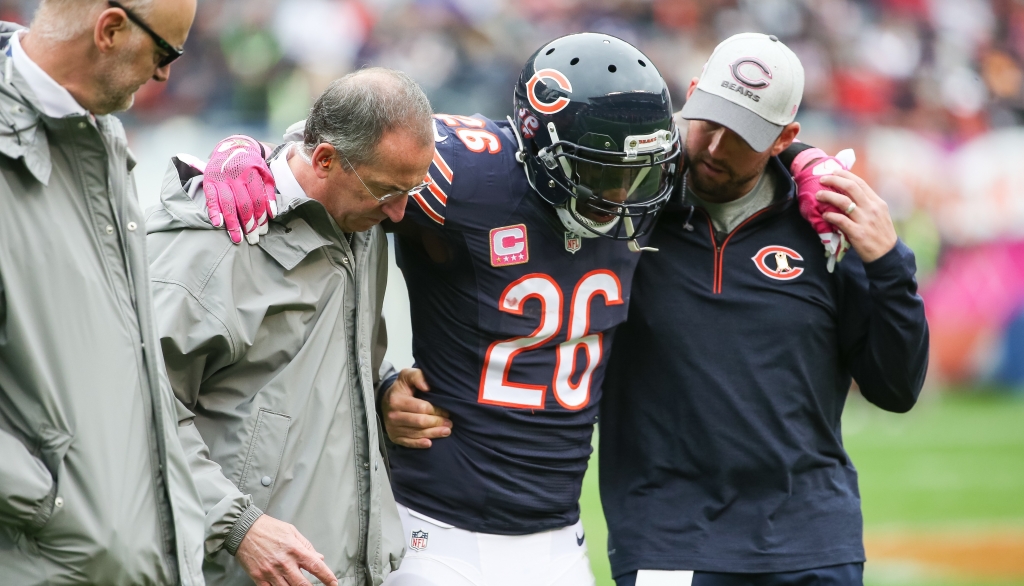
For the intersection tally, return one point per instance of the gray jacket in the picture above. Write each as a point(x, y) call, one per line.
point(94, 486)
point(276, 349)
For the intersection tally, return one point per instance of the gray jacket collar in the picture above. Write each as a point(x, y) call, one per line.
point(289, 238)
point(21, 131)
point(288, 243)
point(22, 123)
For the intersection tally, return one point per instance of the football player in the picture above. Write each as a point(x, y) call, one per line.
point(518, 256)
point(518, 259)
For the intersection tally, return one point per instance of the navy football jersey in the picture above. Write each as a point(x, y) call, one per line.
point(512, 318)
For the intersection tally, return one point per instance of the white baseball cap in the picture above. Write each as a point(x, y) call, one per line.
point(752, 85)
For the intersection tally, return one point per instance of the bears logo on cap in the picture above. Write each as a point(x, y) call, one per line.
point(754, 84)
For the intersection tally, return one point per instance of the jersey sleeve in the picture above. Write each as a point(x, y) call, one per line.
point(430, 206)
point(470, 184)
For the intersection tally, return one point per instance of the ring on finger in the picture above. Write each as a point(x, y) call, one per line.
point(850, 208)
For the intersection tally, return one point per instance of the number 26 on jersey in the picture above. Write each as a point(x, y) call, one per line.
point(496, 389)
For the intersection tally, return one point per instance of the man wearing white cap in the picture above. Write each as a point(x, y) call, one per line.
point(722, 460)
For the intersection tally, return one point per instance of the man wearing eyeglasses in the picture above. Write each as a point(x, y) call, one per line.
point(94, 485)
point(277, 349)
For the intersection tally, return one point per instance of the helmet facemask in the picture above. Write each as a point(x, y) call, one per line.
point(616, 194)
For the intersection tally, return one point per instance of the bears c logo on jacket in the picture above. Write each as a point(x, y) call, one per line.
point(560, 80)
point(781, 255)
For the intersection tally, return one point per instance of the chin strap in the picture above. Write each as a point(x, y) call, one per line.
point(521, 151)
point(569, 211)
point(574, 223)
point(577, 224)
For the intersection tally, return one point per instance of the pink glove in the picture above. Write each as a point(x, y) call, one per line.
point(808, 183)
point(239, 188)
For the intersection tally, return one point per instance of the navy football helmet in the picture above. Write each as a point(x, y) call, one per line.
point(594, 119)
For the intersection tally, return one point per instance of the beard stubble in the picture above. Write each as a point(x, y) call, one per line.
point(120, 80)
point(732, 187)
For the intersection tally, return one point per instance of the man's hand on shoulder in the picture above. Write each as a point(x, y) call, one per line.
point(240, 190)
point(409, 421)
point(863, 216)
point(274, 552)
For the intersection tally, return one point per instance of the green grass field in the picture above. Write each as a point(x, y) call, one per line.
point(949, 473)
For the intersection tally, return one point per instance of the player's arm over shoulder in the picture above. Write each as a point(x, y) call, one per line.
point(473, 159)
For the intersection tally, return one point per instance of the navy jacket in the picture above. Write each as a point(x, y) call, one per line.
point(720, 440)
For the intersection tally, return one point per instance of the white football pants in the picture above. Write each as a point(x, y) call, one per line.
point(438, 554)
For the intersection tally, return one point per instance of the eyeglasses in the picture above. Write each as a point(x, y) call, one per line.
point(386, 196)
point(172, 53)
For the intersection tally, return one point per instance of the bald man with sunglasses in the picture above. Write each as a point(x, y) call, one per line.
point(94, 485)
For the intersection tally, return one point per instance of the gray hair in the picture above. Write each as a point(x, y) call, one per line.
point(354, 112)
point(63, 20)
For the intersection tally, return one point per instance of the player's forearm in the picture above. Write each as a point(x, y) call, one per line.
point(891, 365)
point(384, 373)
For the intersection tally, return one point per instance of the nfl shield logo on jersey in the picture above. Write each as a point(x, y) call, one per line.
point(419, 540)
point(573, 242)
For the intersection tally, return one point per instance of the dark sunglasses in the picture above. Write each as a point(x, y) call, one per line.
point(172, 53)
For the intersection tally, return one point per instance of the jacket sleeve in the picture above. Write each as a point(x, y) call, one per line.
point(384, 373)
point(194, 341)
point(883, 330)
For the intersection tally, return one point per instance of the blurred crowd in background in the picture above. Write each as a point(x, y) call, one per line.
point(930, 93)
point(951, 69)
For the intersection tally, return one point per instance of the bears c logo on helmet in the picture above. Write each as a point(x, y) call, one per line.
point(560, 80)
point(782, 270)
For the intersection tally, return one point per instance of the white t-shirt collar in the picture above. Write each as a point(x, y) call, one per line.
point(288, 186)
